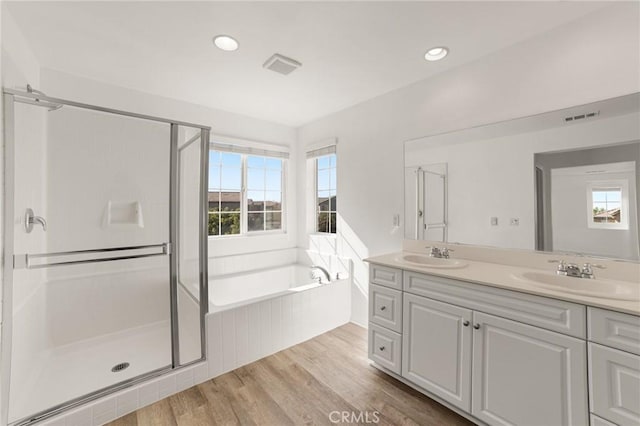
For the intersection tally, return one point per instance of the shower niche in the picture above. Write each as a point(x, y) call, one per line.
point(111, 290)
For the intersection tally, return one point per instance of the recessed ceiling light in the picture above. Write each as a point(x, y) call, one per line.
point(436, 53)
point(226, 43)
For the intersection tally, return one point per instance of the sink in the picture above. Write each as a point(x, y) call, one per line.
point(607, 289)
point(432, 262)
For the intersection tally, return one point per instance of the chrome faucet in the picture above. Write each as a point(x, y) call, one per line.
point(587, 270)
point(573, 270)
point(323, 270)
point(440, 253)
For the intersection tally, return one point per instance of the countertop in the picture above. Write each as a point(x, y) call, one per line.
point(505, 277)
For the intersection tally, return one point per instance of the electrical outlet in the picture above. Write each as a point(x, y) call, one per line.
point(396, 220)
point(515, 221)
point(494, 221)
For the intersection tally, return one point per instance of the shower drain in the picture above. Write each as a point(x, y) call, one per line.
point(120, 367)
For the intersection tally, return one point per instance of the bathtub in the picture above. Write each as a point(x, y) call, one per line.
point(255, 314)
point(231, 290)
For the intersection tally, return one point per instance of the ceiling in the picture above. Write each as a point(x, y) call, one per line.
point(350, 51)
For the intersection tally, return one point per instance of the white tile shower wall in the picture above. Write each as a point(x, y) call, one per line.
point(235, 337)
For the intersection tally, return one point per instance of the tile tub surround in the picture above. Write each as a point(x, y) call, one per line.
point(496, 268)
point(235, 337)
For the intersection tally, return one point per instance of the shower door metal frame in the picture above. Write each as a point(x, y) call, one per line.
point(10, 96)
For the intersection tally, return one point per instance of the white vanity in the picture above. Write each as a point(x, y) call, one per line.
point(502, 351)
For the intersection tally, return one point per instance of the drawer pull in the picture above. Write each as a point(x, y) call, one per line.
point(476, 326)
point(382, 308)
point(466, 323)
point(381, 348)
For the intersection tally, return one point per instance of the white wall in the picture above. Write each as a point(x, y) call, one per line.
point(223, 123)
point(555, 70)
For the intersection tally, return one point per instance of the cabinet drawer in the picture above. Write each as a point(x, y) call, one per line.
point(388, 277)
point(385, 307)
point(615, 329)
point(614, 385)
point(385, 347)
point(552, 314)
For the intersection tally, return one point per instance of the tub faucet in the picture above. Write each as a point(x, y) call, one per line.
point(323, 270)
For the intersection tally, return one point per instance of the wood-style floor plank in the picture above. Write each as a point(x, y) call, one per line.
point(301, 385)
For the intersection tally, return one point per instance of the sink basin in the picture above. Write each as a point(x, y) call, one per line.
point(432, 262)
point(607, 289)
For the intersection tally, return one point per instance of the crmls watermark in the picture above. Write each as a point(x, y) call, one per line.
point(354, 417)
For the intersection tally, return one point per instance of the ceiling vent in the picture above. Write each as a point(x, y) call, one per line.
point(281, 64)
point(581, 116)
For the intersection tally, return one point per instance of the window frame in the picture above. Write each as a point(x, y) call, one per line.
point(315, 194)
point(244, 217)
point(623, 185)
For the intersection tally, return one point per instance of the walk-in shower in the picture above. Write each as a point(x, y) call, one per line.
point(105, 268)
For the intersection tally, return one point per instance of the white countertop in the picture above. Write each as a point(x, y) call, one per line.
point(504, 276)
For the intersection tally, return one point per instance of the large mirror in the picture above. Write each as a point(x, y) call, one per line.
point(564, 181)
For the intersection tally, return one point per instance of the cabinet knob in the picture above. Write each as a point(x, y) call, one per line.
point(382, 308)
point(476, 326)
point(381, 348)
point(466, 323)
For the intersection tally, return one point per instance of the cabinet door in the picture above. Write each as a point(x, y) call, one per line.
point(615, 384)
point(436, 353)
point(524, 375)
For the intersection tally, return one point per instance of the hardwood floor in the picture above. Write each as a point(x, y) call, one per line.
point(312, 383)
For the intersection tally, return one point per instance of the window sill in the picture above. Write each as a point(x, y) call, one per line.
point(247, 235)
point(323, 234)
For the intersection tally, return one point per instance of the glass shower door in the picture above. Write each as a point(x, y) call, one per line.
point(91, 283)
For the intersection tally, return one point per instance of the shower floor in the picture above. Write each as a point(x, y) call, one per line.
point(73, 370)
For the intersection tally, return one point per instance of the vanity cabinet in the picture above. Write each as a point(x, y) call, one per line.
point(500, 356)
point(504, 357)
point(614, 366)
point(501, 371)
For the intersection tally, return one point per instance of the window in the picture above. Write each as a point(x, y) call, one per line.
point(326, 196)
point(264, 193)
point(607, 205)
point(225, 193)
point(245, 193)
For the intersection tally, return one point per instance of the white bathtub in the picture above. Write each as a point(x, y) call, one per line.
point(258, 313)
point(228, 291)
